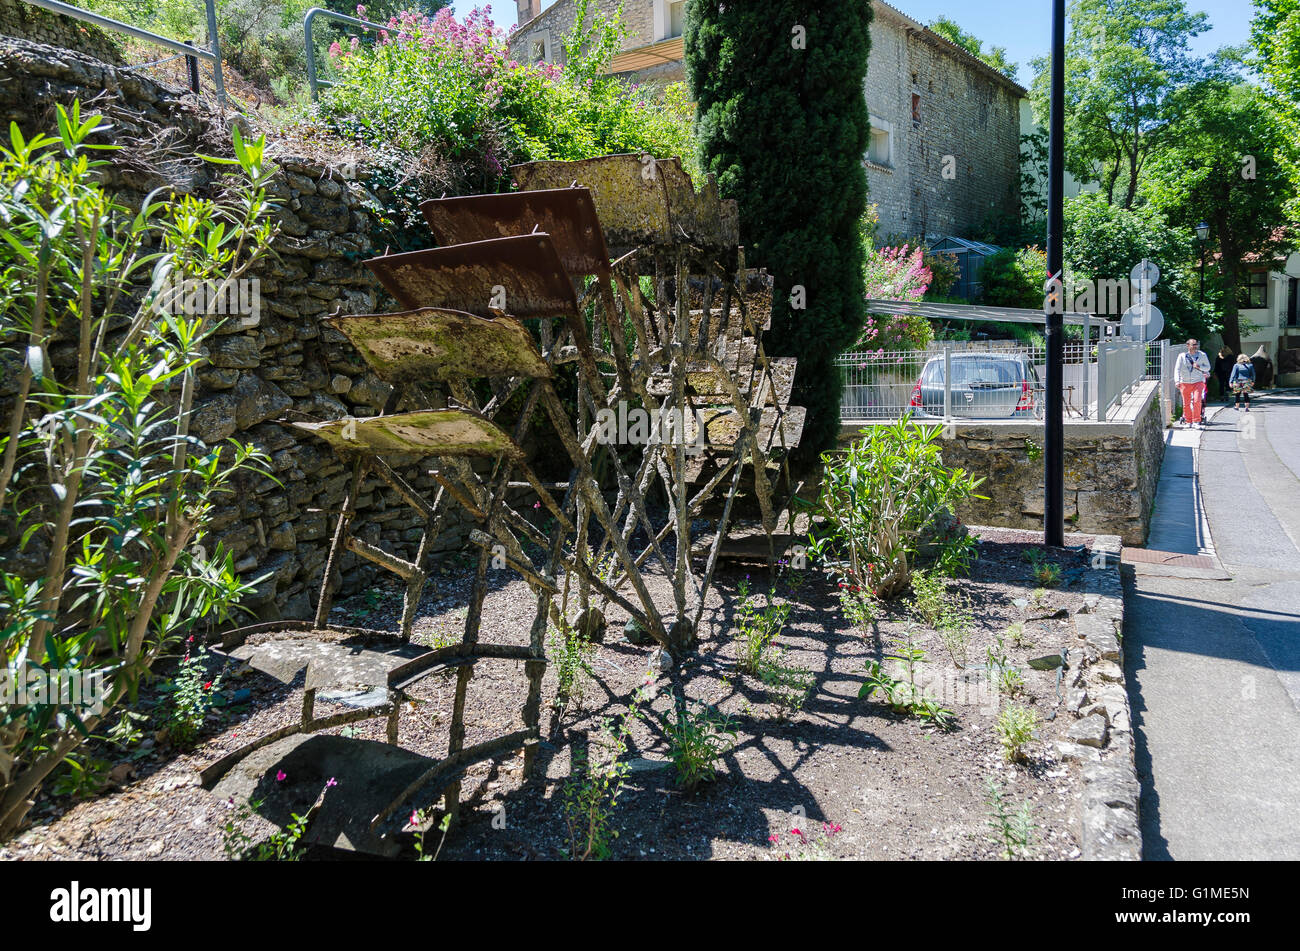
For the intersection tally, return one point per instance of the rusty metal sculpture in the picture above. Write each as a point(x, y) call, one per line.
point(618, 274)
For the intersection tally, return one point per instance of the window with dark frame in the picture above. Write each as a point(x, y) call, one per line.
point(1252, 294)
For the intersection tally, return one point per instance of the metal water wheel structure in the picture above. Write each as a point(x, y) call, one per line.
point(614, 281)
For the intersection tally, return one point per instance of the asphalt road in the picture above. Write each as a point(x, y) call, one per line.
point(1214, 662)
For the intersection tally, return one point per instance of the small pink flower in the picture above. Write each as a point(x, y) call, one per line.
point(281, 775)
point(332, 782)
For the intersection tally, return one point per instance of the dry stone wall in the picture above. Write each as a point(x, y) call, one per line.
point(24, 21)
point(279, 364)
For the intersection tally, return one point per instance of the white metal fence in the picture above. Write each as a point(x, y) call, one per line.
point(991, 380)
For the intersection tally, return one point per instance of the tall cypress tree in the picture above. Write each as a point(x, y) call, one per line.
point(782, 121)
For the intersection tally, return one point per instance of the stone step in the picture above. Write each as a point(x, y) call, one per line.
point(432, 345)
point(443, 432)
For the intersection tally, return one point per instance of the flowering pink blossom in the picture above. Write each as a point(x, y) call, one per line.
point(281, 775)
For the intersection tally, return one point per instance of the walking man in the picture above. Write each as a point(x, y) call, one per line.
point(1192, 370)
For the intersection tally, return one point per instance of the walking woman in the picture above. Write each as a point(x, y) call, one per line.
point(1223, 367)
point(1242, 381)
point(1190, 373)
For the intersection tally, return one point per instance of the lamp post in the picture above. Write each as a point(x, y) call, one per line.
point(1202, 236)
point(1054, 298)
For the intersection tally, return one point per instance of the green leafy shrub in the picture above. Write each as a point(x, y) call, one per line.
point(102, 485)
point(788, 685)
point(697, 741)
point(436, 83)
point(570, 658)
point(877, 497)
point(1015, 728)
point(594, 785)
point(904, 696)
point(757, 626)
point(192, 696)
point(1011, 830)
point(1014, 278)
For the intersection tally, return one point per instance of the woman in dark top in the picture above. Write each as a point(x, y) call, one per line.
point(1223, 365)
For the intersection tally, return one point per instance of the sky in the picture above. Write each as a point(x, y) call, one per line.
point(1024, 27)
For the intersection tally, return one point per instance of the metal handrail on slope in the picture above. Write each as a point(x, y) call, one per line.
point(213, 55)
point(313, 82)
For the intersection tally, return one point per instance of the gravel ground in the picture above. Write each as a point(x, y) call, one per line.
point(857, 780)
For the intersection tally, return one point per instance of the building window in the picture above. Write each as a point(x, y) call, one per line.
point(676, 18)
point(880, 150)
point(538, 54)
point(1253, 292)
point(1293, 303)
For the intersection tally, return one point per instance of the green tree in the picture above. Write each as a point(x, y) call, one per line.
point(995, 56)
point(1228, 168)
point(1127, 65)
point(782, 122)
point(1275, 33)
point(1104, 241)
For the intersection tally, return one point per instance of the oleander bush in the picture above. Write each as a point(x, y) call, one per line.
point(104, 493)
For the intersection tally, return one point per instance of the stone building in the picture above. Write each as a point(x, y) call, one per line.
point(945, 126)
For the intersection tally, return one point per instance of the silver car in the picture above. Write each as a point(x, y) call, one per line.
point(985, 385)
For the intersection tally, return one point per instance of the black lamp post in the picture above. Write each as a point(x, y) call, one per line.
point(1054, 301)
point(1203, 235)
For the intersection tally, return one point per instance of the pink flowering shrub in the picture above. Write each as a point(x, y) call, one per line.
point(435, 81)
point(895, 274)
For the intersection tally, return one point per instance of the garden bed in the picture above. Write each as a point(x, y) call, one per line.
point(856, 779)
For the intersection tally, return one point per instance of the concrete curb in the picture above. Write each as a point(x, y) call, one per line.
point(1098, 698)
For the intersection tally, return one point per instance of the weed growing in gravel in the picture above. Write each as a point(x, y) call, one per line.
point(570, 656)
point(788, 685)
point(417, 820)
point(1015, 728)
point(928, 591)
point(697, 742)
point(593, 787)
point(804, 846)
point(1016, 633)
point(954, 628)
point(904, 696)
point(1046, 573)
point(758, 627)
point(280, 846)
point(192, 694)
point(1012, 832)
point(858, 606)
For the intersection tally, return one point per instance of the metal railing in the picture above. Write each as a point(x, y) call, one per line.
point(212, 55)
point(988, 380)
point(1121, 365)
point(314, 81)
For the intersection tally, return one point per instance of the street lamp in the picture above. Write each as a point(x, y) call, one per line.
point(1203, 235)
point(1054, 300)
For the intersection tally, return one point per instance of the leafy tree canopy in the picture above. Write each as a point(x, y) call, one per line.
point(995, 56)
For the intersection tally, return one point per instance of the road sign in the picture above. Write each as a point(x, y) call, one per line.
point(1143, 321)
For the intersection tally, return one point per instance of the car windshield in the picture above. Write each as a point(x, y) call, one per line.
point(978, 371)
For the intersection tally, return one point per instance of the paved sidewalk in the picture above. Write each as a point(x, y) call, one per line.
point(1213, 656)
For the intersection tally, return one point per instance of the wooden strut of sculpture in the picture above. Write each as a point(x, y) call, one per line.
point(521, 290)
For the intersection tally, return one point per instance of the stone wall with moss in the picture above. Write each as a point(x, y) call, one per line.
point(25, 21)
point(281, 364)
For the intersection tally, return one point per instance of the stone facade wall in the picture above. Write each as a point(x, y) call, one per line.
point(1111, 472)
point(24, 21)
point(283, 364)
point(557, 20)
point(966, 111)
